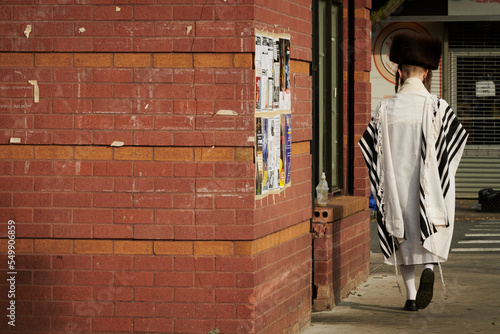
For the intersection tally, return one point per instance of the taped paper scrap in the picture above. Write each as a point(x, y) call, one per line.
point(15, 140)
point(226, 113)
point(117, 143)
point(27, 31)
point(36, 93)
point(81, 30)
point(118, 9)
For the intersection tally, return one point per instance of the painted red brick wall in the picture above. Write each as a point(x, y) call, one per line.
point(163, 234)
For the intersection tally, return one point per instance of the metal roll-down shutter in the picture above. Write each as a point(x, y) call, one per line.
point(475, 98)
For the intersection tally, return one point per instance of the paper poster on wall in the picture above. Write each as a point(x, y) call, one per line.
point(264, 55)
point(258, 95)
point(285, 101)
point(273, 113)
point(270, 56)
point(288, 100)
point(276, 74)
point(258, 54)
point(258, 72)
point(263, 93)
point(259, 163)
point(382, 76)
point(270, 93)
point(265, 74)
point(288, 146)
point(271, 153)
point(283, 136)
point(269, 72)
point(265, 155)
point(277, 151)
point(272, 71)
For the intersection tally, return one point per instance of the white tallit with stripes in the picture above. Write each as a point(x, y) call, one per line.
point(438, 143)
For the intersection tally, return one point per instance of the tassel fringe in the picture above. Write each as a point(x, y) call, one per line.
point(396, 265)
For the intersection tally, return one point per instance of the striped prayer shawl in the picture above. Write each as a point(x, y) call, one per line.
point(450, 140)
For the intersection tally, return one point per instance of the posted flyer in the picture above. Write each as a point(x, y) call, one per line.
point(273, 130)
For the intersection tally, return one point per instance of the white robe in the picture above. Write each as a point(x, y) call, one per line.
point(412, 148)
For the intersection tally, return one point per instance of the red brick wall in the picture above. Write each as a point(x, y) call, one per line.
point(100, 192)
point(341, 246)
point(164, 286)
point(362, 91)
point(160, 99)
point(360, 52)
point(163, 234)
point(351, 253)
point(283, 291)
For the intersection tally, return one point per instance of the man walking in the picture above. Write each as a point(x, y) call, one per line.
point(412, 148)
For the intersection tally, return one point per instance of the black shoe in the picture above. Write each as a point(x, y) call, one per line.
point(426, 288)
point(411, 305)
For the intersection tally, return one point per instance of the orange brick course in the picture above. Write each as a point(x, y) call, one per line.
point(131, 60)
point(173, 60)
point(93, 153)
point(16, 59)
point(198, 248)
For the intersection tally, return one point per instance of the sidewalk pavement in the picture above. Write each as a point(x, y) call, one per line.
point(468, 303)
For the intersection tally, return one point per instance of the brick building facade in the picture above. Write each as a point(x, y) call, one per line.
point(132, 187)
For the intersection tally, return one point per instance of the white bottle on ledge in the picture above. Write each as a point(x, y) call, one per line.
point(322, 191)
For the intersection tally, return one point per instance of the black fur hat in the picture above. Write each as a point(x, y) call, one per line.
point(416, 49)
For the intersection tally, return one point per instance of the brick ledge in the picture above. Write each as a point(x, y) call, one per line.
point(340, 207)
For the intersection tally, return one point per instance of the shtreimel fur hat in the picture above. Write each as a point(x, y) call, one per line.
point(416, 49)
